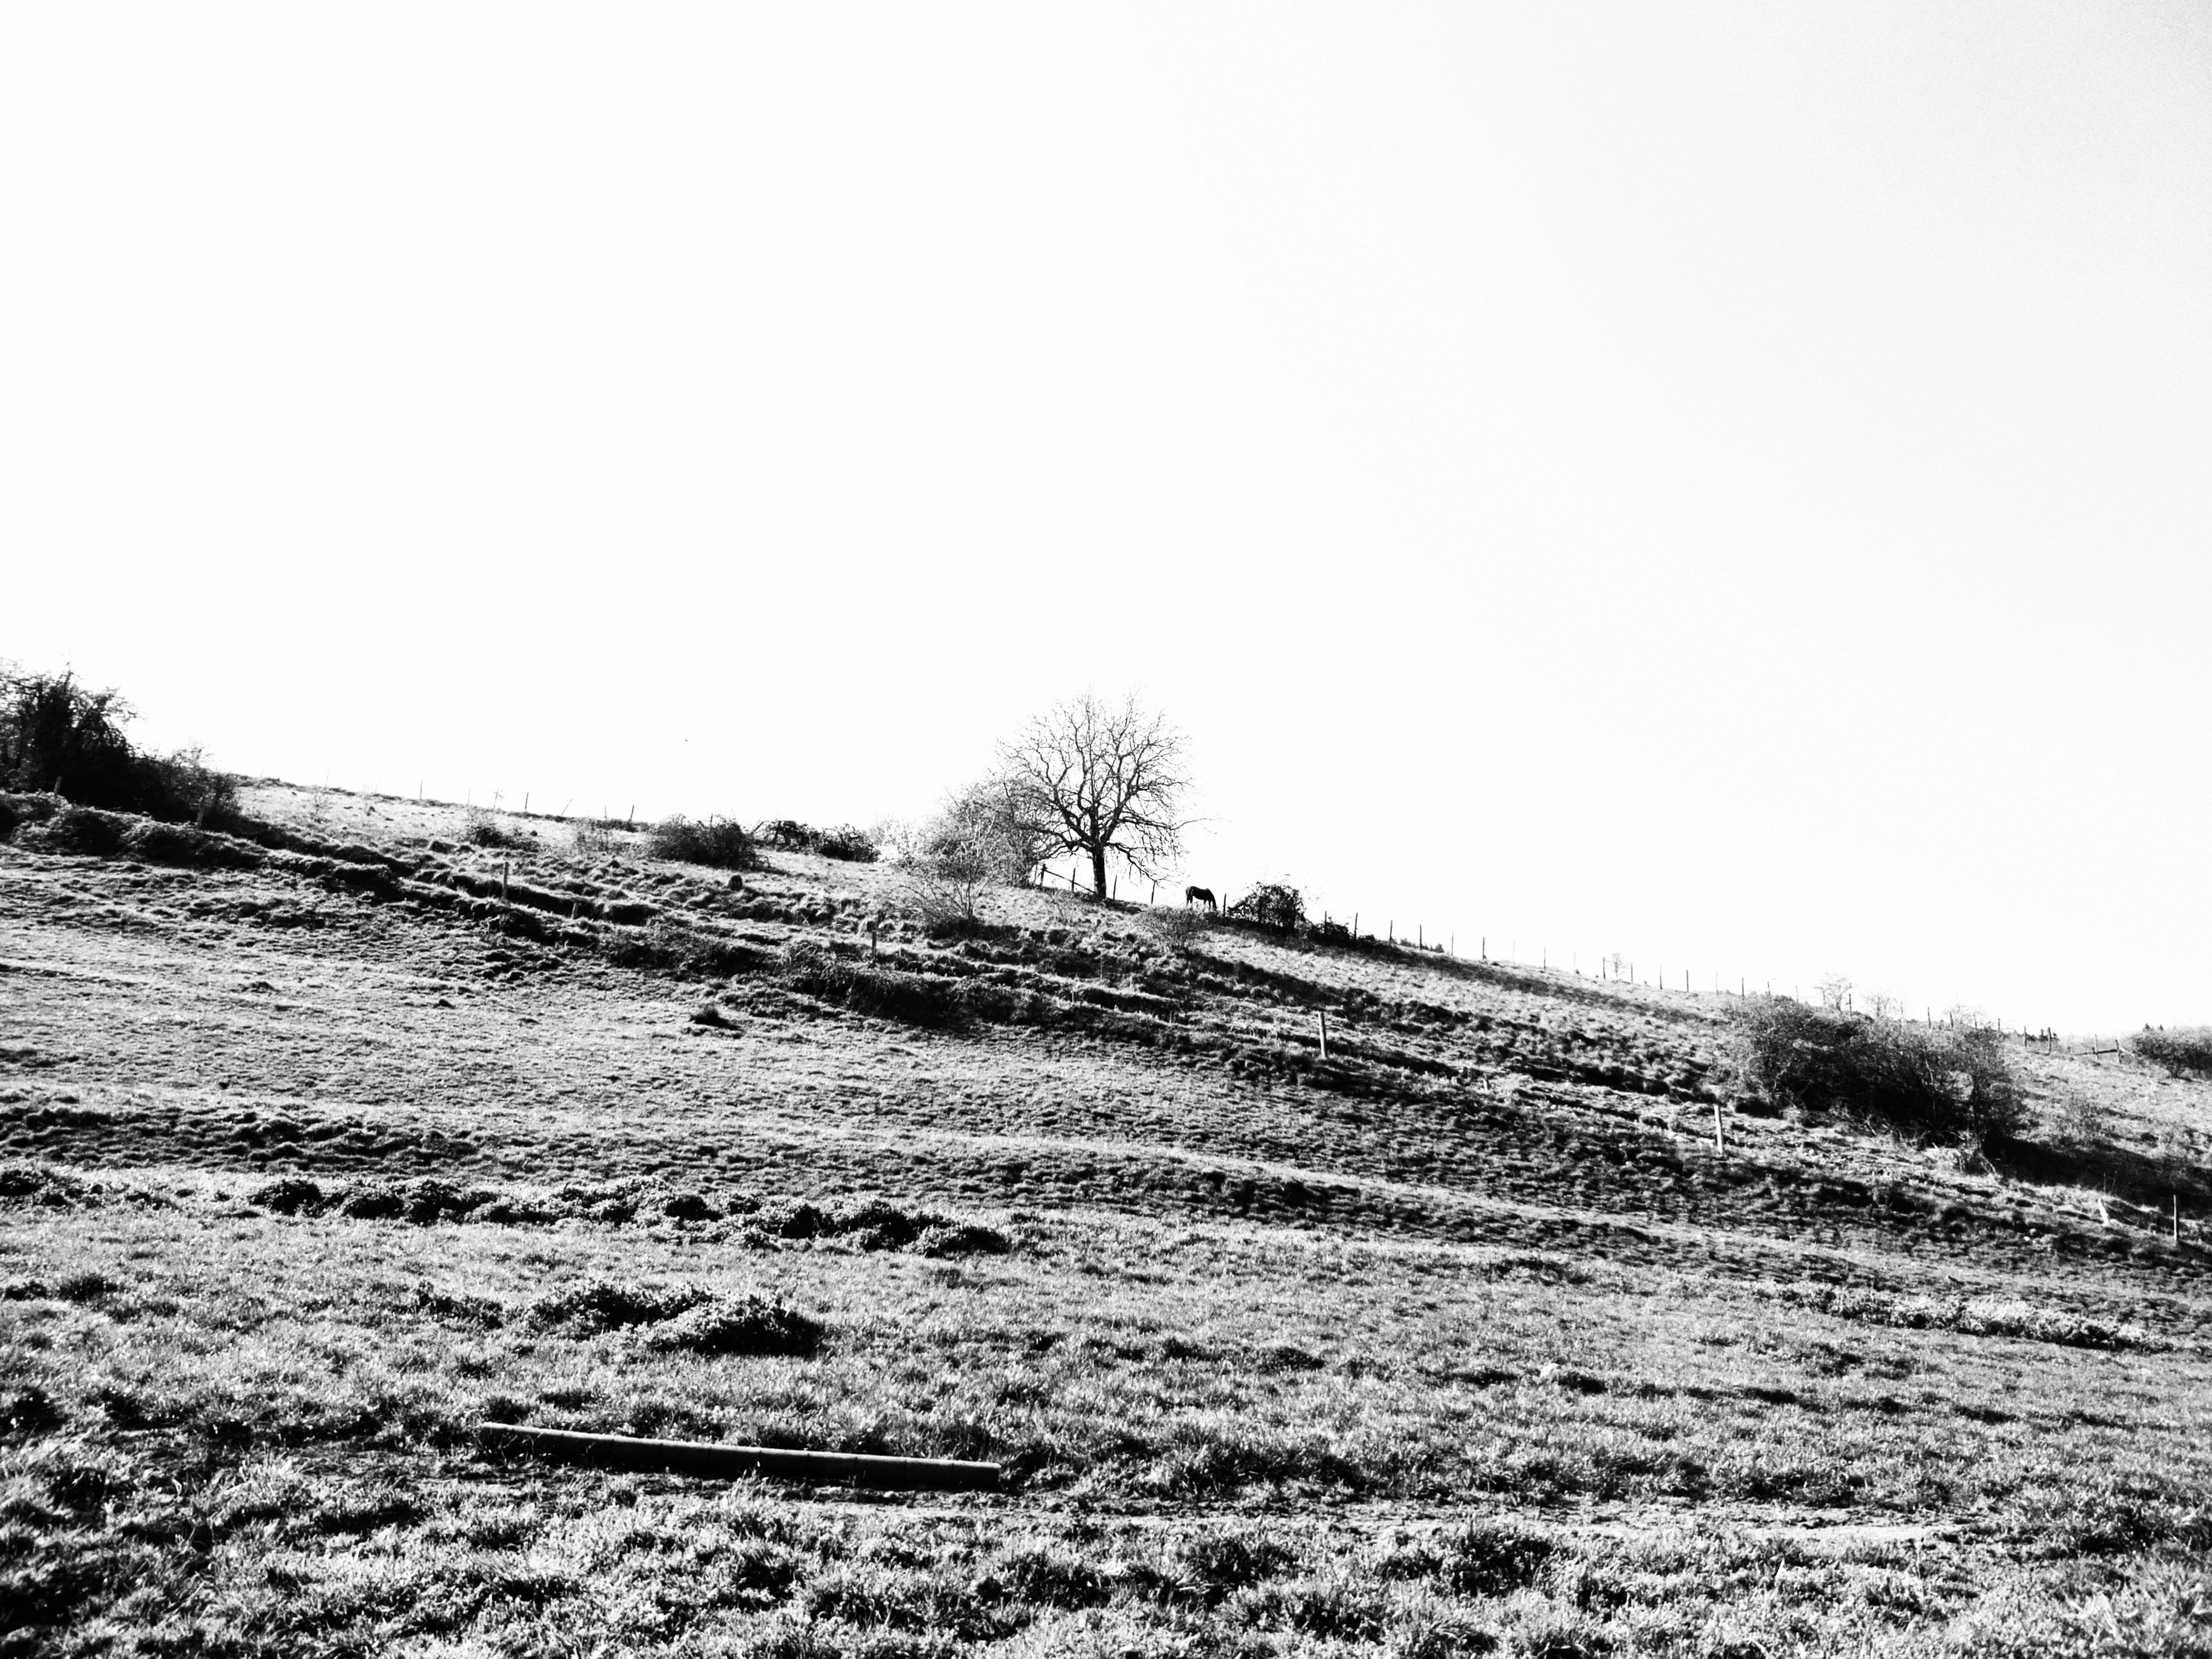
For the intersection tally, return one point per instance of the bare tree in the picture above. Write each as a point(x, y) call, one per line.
point(1093, 778)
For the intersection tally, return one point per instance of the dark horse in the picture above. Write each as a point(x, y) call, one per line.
point(1197, 895)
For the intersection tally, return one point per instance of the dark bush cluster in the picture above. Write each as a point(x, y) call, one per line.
point(1272, 904)
point(2184, 1048)
point(57, 736)
point(1951, 1083)
point(845, 841)
point(720, 842)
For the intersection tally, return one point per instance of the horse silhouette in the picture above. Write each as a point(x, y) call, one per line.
point(1200, 895)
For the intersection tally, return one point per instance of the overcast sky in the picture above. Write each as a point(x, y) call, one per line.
point(1731, 484)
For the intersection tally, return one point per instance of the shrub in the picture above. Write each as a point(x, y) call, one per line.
point(1272, 905)
point(945, 887)
point(57, 735)
point(2185, 1048)
point(485, 831)
point(1951, 1083)
point(720, 842)
point(846, 841)
point(986, 821)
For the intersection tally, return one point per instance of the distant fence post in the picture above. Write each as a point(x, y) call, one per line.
point(1322, 1014)
point(1720, 1134)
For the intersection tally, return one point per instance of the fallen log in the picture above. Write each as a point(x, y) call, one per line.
point(715, 1462)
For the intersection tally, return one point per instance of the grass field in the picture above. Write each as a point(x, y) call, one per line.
point(317, 1149)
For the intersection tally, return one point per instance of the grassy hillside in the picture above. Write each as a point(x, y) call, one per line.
point(322, 1144)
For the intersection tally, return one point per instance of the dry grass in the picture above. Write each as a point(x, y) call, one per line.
point(1470, 1345)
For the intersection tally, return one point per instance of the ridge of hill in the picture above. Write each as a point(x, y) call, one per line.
point(312, 1126)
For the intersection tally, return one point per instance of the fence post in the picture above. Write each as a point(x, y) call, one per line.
point(1720, 1135)
point(1322, 1014)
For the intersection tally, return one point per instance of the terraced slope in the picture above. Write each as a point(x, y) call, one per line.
point(313, 1130)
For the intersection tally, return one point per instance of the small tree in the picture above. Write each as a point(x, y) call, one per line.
point(1094, 778)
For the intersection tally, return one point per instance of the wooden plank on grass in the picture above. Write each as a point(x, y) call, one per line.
point(717, 1461)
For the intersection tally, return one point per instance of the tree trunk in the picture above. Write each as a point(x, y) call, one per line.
point(1098, 870)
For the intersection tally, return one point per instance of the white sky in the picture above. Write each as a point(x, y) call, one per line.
point(1731, 484)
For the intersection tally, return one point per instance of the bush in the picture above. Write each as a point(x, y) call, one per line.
point(56, 735)
point(1955, 1085)
point(987, 823)
point(946, 889)
point(484, 830)
point(1272, 905)
point(847, 842)
point(720, 842)
point(2185, 1048)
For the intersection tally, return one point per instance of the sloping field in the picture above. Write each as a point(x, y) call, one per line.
point(1496, 1327)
